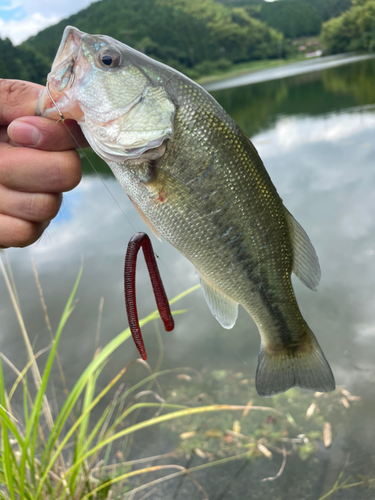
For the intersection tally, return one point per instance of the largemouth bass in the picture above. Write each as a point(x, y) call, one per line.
point(198, 181)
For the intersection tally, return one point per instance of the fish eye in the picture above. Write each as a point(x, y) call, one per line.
point(109, 58)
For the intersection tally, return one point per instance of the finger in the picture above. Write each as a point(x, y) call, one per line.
point(42, 133)
point(34, 207)
point(35, 171)
point(19, 233)
point(17, 99)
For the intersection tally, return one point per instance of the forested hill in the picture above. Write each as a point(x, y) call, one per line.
point(187, 34)
point(294, 18)
point(197, 37)
point(326, 9)
point(22, 63)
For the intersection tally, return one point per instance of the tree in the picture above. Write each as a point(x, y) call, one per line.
point(353, 30)
point(22, 63)
point(329, 8)
point(291, 17)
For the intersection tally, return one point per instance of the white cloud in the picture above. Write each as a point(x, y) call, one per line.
point(59, 9)
point(38, 14)
point(20, 30)
point(293, 131)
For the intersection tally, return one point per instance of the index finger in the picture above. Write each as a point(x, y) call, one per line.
point(17, 99)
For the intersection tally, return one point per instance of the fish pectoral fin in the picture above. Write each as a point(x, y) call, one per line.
point(278, 373)
point(305, 261)
point(154, 231)
point(222, 307)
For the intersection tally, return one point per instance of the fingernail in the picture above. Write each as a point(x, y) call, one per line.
point(24, 133)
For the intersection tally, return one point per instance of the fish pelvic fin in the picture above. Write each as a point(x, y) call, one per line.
point(224, 309)
point(306, 368)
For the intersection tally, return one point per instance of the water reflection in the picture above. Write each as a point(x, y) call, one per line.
point(315, 134)
point(329, 187)
point(256, 107)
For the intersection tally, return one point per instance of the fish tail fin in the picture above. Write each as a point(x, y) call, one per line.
point(306, 368)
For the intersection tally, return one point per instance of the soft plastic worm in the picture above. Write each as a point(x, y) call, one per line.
point(136, 242)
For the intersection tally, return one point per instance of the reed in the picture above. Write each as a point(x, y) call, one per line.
point(64, 454)
point(79, 451)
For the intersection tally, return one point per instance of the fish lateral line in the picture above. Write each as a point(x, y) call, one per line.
point(136, 242)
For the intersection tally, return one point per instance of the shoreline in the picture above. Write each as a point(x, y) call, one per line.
point(246, 68)
point(286, 69)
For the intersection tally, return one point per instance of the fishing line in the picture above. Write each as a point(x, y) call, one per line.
point(62, 118)
point(100, 177)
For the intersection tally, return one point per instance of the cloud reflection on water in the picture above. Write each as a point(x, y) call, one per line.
point(323, 169)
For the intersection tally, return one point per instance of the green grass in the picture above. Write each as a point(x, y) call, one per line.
point(67, 456)
point(59, 454)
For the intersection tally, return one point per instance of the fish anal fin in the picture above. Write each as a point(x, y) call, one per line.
point(154, 231)
point(305, 261)
point(306, 368)
point(222, 307)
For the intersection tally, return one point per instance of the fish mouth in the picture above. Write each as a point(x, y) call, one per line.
point(69, 45)
point(61, 77)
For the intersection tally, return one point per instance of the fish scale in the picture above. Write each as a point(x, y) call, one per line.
point(198, 181)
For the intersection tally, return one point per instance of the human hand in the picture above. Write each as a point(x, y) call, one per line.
point(37, 164)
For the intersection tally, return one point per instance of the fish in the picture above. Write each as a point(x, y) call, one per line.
point(198, 181)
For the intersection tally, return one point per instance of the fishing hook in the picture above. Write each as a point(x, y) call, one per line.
point(62, 117)
point(136, 242)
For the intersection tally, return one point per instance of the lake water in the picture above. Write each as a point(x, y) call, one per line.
point(315, 134)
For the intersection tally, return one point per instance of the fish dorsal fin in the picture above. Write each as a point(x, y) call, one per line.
point(222, 307)
point(154, 231)
point(305, 261)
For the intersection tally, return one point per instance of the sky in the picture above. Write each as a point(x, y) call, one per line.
point(20, 19)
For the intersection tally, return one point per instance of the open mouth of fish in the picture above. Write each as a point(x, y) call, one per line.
point(122, 115)
point(60, 80)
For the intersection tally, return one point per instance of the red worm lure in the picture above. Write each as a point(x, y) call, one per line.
point(136, 242)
